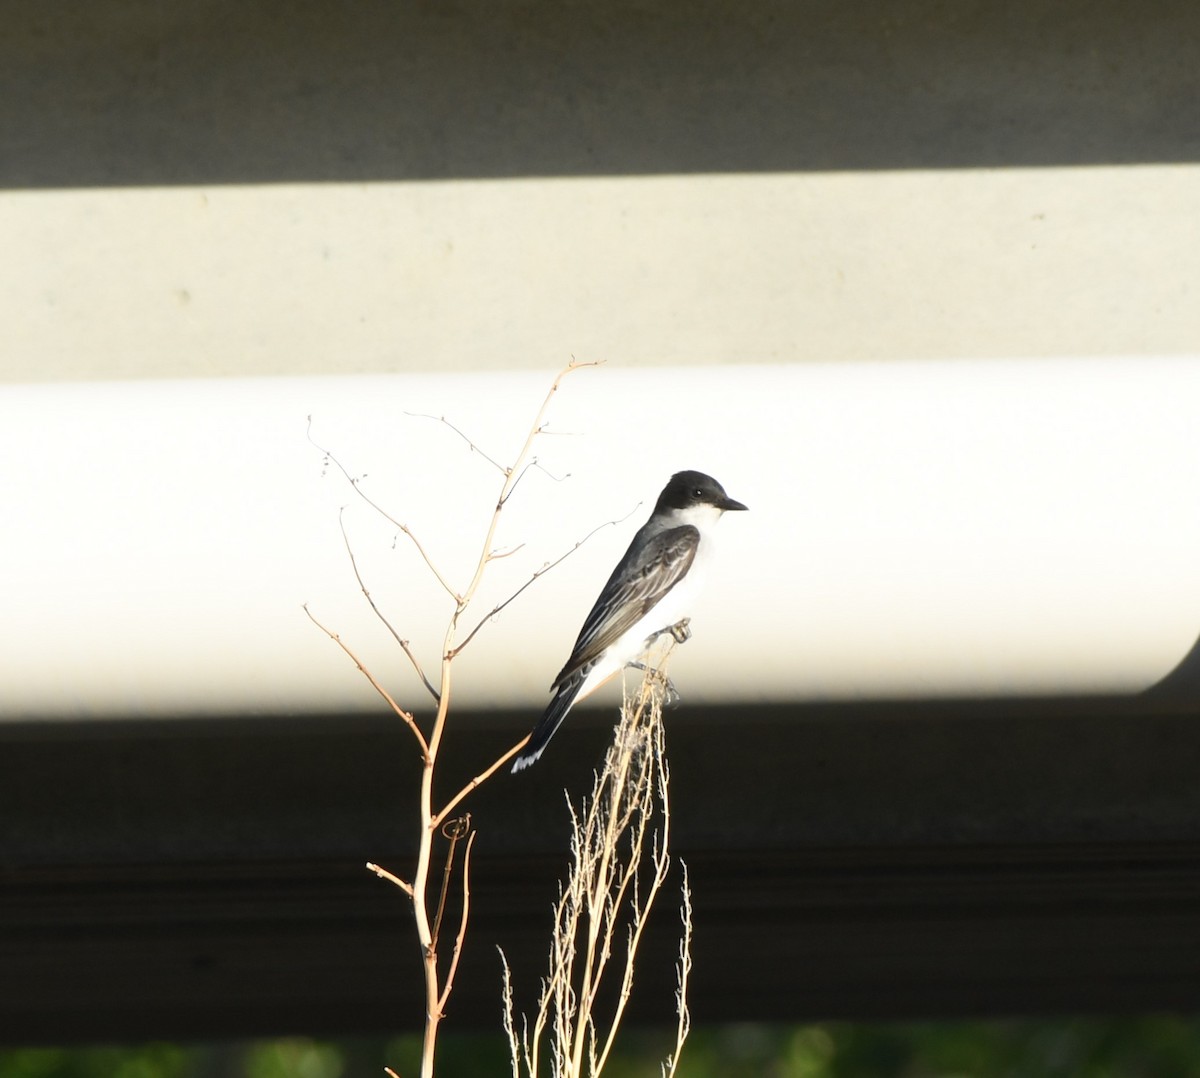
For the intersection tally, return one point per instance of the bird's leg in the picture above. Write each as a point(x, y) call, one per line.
point(680, 632)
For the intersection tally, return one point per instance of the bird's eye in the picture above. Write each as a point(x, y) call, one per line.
point(697, 492)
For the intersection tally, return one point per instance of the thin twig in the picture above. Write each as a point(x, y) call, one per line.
point(540, 572)
point(532, 464)
point(474, 448)
point(454, 831)
point(659, 862)
point(510, 1029)
point(506, 489)
point(384, 513)
point(481, 777)
point(448, 986)
point(406, 716)
point(682, 971)
point(636, 791)
point(498, 555)
point(437, 988)
point(379, 613)
point(384, 874)
point(433, 993)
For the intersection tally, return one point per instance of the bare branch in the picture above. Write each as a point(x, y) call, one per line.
point(540, 572)
point(448, 985)
point(532, 464)
point(453, 830)
point(384, 874)
point(483, 776)
point(357, 488)
point(437, 987)
point(514, 473)
point(474, 448)
point(379, 614)
point(421, 876)
point(497, 555)
point(406, 716)
point(535, 463)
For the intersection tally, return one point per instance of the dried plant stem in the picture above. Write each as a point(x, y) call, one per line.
point(409, 721)
point(384, 874)
point(462, 924)
point(435, 996)
point(538, 573)
point(379, 613)
point(683, 972)
point(357, 488)
point(428, 907)
point(506, 1002)
point(599, 906)
point(619, 863)
point(479, 779)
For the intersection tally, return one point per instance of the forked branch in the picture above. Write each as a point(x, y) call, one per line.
point(473, 447)
point(379, 613)
point(538, 573)
point(431, 824)
point(356, 486)
point(409, 721)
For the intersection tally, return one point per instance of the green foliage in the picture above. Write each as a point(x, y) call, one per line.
point(149, 1061)
point(295, 1058)
point(1149, 1047)
point(1126, 1048)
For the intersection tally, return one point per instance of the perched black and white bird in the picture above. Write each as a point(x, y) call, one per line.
point(649, 593)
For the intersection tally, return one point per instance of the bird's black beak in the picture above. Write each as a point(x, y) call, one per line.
point(729, 503)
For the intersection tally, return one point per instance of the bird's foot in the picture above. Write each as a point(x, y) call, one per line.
point(681, 631)
point(671, 695)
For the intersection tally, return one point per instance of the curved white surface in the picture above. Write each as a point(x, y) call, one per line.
point(914, 529)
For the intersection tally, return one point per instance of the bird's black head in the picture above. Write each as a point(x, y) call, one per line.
point(689, 489)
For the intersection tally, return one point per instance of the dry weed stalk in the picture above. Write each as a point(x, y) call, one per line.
point(428, 896)
point(619, 861)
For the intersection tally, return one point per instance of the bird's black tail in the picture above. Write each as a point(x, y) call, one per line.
point(549, 723)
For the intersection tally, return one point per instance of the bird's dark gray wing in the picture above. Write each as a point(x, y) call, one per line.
point(635, 587)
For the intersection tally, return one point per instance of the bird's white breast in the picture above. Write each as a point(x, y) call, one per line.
point(673, 607)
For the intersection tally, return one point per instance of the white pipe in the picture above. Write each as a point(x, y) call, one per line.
point(914, 528)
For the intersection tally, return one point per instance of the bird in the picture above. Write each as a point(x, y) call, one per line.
point(649, 593)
